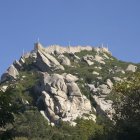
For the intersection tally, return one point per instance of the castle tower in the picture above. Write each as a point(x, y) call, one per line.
point(38, 46)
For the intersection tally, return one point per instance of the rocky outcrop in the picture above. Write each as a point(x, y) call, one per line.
point(104, 89)
point(95, 73)
point(3, 88)
point(109, 83)
point(88, 59)
point(131, 68)
point(11, 74)
point(99, 95)
point(47, 62)
point(91, 59)
point(64, 60)
point(17, 65)
point(103, 107)
point(117, 79)
point(99, 59)
point(69, 78)
point(63, 98)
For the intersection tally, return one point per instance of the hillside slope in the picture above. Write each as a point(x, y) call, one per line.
point(66, 83)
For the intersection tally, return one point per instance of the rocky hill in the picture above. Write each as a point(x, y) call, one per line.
point(66, 83)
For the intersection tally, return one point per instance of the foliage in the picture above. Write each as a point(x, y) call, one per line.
point(7, 110)
point(127, 108)
point(30, 124)
point(85, 52)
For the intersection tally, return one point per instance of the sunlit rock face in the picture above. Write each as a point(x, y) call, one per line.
point(11, 74)
point(132, 68)
point(62, 98)
point(45, 61)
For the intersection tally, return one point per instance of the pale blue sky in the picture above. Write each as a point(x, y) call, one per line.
point(83, 22)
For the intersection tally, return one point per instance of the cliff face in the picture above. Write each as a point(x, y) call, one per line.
point(67, 82)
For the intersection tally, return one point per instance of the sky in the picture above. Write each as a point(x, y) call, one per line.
point(115, 23)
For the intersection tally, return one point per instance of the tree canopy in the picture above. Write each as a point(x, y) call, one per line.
point(127, 108)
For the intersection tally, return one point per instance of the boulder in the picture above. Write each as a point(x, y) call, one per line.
point(88, 59)
point(11, 74)
point(89, 62)
point(92, 88)
point(95, 73)
point(48, 100)
point(99, 94)
point(117, 79)
point(3, 88)
point(131, 68)
point(56, 81)
point(103, 106)
point(21, 60)
point(64, 60)
point(73, 89)
point(109, 83)
point(99, 59)
point(104, 89)
point(47, 62)
point(17, 65)
point(99, 78)
point(70, 78)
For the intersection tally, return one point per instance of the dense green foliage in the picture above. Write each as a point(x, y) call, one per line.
point(7, 110)
point(127, 108)
point(35, 128)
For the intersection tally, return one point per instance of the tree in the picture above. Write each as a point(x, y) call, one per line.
point(7, 110)
point(127, 108)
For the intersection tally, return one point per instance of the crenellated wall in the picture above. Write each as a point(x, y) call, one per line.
point(70, 49)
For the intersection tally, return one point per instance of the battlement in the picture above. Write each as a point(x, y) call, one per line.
point(69, 49)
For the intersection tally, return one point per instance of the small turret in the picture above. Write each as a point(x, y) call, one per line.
point(38, 46)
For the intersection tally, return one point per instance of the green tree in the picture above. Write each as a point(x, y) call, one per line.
point(127, 108)
point(7, 110)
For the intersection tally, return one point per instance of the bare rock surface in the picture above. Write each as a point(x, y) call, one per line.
point(11, 74)
point(47, 62)
point(70, 78)
point(132, 68)
point(99, 95)
point(64, 60)
point(63, 98)
point(3, 88)
point(99, 59)
point(88, 59)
